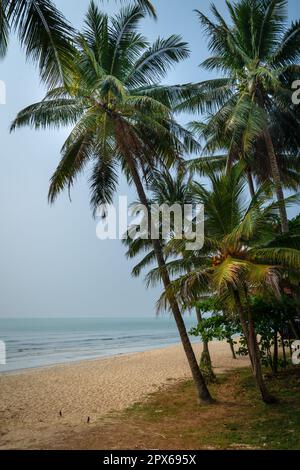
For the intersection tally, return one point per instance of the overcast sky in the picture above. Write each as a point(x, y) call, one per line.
point(51, 262)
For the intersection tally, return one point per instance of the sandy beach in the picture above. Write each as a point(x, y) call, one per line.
point(31, 401)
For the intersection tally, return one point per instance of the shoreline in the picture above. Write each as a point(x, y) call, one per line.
point(31, 400)
point(92, 359)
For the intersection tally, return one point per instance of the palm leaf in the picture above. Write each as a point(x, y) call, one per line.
point(103, 183)
point(52, 113)
point(46, 36)
point(4, 28)
point(153, 65)
point(286, 257)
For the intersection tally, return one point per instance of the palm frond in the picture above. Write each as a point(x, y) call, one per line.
point(286, 257)
point(146, 4)
point(4, 29)
point(78, 149)
point(123, 39)
point(46, 36)
point(54, 113)
point(287, 51)
point(149, 259)
point(103, 183)
point(153, 65)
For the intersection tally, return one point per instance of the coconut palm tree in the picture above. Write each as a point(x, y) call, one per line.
point(244, 252)
point(173, 190)
point(257, 56)
point(121, 119)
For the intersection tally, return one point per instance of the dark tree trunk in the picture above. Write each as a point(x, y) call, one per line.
point(202, 390)
point(230, 341)
point(205, 360)
point(250, 183)
point(254, 353)
point(290, 347)
point(294, 329)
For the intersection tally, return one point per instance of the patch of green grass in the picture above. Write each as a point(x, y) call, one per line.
point(274, 426)
point(239, 419)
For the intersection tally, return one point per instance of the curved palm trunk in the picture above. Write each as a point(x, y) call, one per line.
point(205, 361)
point(277, 181)
point(202, 390)
point(254, 353)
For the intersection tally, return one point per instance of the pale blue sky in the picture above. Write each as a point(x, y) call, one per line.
point(51, 263)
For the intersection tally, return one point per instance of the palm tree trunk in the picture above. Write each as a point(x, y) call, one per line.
point(277, 181)
point(257, 370)
point(254, 354)
point(294, 329)
point(202, 390)
point(232, 348)
point(205, 360)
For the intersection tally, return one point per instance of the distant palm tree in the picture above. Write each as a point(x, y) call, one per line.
point(258, 58)
point(243, 253)
point(121, 118)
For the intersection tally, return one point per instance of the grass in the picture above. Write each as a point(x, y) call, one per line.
point(238, 420)
point(172, 419)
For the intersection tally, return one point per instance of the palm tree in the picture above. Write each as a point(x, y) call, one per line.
point(243, 253)
point(174, 191)
point(257, 56)
point(121, 118)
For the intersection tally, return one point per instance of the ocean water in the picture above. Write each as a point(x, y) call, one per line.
point(43, 342)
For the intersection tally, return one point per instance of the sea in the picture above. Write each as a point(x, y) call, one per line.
point(30, 343)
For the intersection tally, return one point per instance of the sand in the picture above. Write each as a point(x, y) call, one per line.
point(31, 401)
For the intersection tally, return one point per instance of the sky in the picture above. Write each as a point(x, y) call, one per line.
point(51, 261)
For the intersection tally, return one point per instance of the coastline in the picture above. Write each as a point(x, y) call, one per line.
point(44, 342)
point(32, 399)
point(80, 361)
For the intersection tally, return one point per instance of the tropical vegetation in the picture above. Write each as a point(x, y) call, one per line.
point(237, 157)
